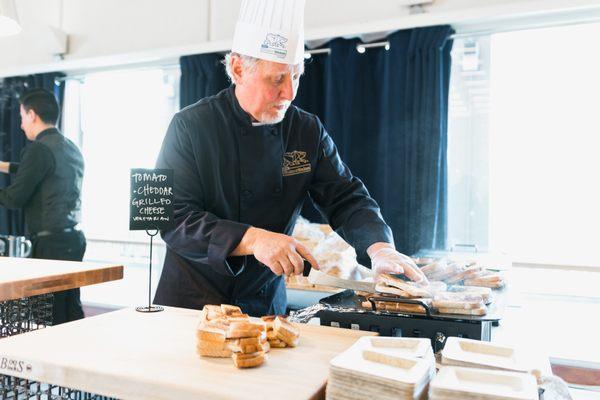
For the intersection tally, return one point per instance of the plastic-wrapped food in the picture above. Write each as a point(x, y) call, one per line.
point(489, 279)
point(456, 300)
point(334, 255)
point(402, 307)
point(470, 272)
point(484, 292)
point(390, 284)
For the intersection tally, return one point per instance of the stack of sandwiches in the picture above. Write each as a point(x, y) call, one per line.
point(281, 333)
point(463, 300)
point(459, 303)
point(457, 273)
point(224, 331)
point(391, 286)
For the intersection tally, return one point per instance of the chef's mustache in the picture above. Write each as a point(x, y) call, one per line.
point(285, 104)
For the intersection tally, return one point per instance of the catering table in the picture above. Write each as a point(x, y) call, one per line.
point(26, 287)
point(129, 355)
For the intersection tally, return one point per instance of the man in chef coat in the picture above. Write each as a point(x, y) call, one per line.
point(245, 161)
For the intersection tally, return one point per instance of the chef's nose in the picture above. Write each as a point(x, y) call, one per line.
point(287, 92)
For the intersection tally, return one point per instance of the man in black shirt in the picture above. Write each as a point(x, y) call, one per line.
point(47, 186)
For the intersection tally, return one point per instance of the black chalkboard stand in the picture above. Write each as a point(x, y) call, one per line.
point(150, 308)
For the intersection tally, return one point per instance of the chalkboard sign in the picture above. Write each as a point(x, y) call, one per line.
point(151, 204)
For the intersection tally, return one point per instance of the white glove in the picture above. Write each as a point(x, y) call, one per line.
point(388, 261)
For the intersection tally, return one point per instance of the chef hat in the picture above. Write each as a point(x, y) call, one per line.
point(271, 30)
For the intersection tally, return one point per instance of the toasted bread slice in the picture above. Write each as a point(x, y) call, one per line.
point(211, 334)
point(463, 311)
point(245, 348)
point(244, 329)
point(229, 309)
point(270, 319)
point(265, 346)
point(484, 292)
point(212, 311)
point(411, 288)
point(238, 318)
point(383, 288)
point(433, 267)
point(208, 344)
point(277, 343)
point(248, 360)
point(271, 334)
point(402, 307)
point(458, 300)
point(289, 341)
point(465, 274)
point(249, 341)
point(283, 328)
point(212, 352)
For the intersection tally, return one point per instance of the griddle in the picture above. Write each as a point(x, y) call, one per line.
point(345, 310)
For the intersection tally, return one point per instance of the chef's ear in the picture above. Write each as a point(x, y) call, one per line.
point(237, 69)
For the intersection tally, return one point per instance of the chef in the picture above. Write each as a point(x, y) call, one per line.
point(244, 162)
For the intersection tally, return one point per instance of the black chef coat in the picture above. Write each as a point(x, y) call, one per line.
point(230, 175)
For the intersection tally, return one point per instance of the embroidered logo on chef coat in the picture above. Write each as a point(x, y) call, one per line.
point(295, 162)
point(274, 44)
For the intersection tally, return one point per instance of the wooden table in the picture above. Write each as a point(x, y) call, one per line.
point(25, 277)
point(131, 355)
point(26, 287)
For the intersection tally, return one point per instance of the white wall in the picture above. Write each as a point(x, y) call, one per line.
point(116, 32)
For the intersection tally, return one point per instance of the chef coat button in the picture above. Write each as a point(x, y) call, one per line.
point(277, 190)
point(274, 131)
point(247, 193)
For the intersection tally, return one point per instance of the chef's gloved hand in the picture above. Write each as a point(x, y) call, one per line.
point(281, 253)
point(386, 260)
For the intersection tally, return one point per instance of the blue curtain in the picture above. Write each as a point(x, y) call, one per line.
point(12, 138)
point(387, 113)
point(201, 76)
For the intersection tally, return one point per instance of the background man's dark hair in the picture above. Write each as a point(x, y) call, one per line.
point(43, 103)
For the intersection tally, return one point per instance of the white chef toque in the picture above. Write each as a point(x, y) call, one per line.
point(271, 30)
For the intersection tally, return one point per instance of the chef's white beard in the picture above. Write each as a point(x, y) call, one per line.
point(267, 118)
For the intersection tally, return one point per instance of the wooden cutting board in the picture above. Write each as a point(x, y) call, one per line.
point(24, 277)
point(131, 355)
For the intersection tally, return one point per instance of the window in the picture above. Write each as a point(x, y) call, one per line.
point(524, 134)
point(119, 119)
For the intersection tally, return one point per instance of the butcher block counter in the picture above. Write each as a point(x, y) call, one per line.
point(130, 355)
point(25, 277)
